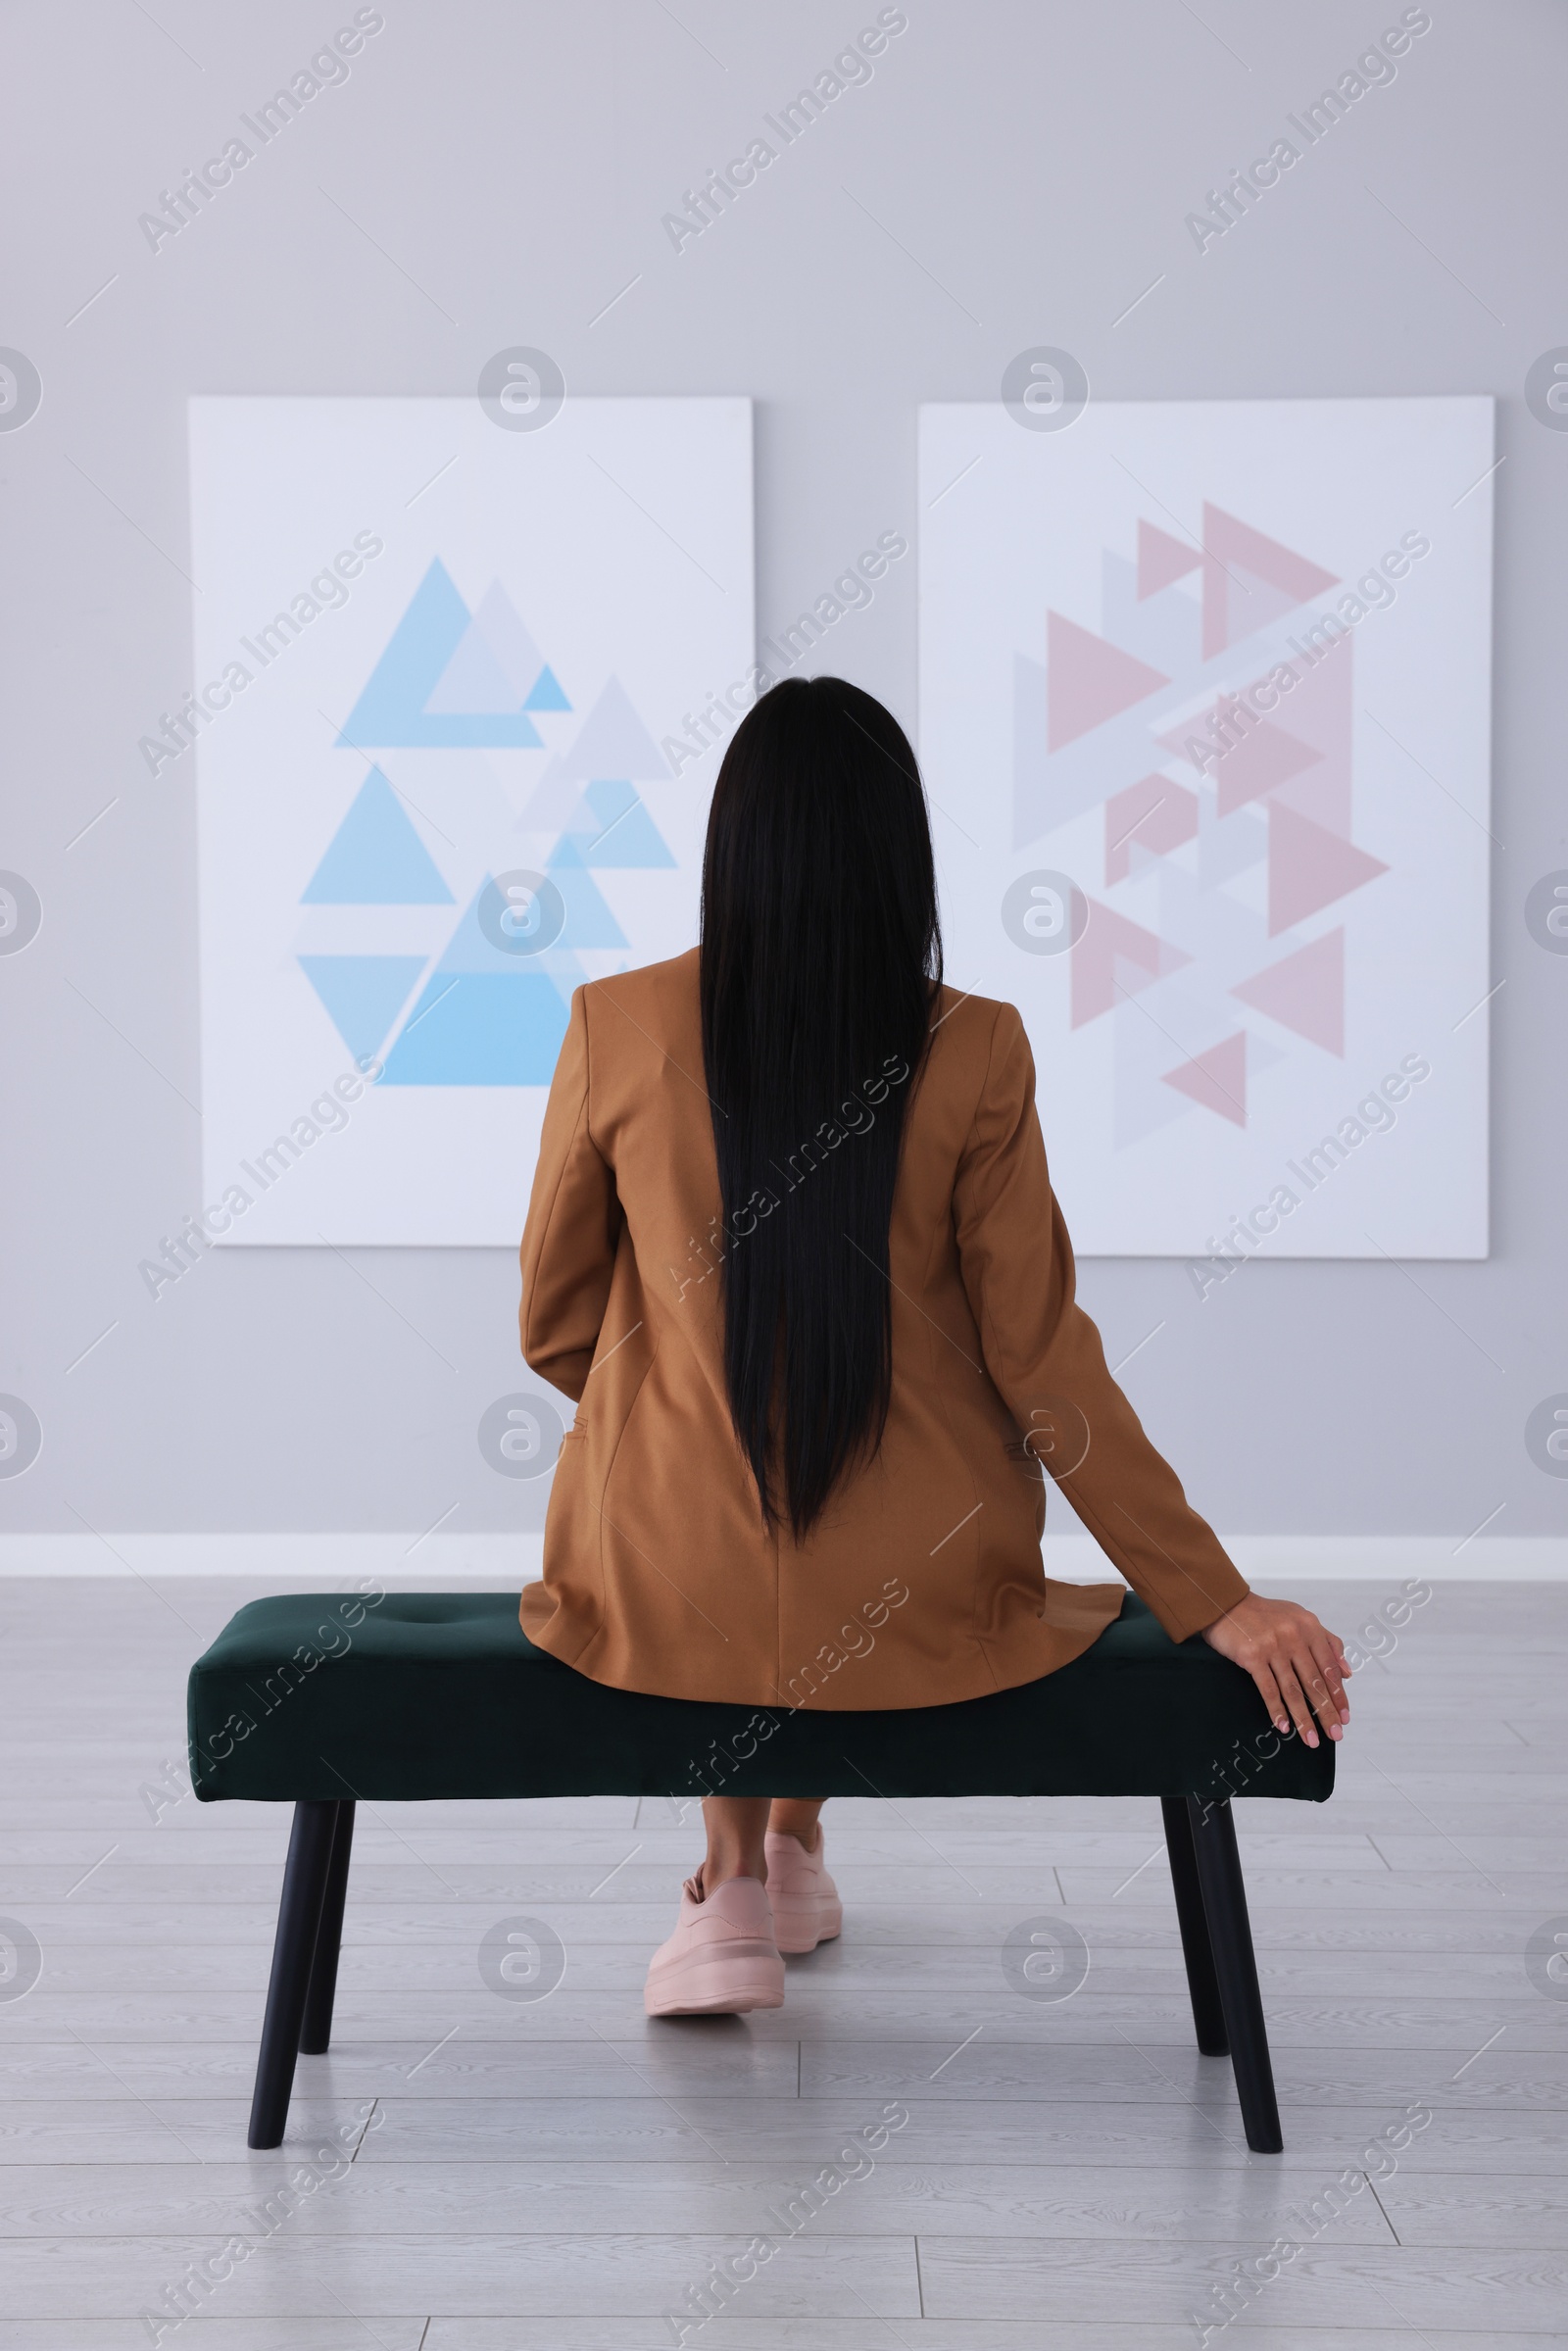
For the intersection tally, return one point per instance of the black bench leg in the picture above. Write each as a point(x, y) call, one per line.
point(1219, 1873)
point(316, 2033)
point(1208, 2014)
point(299, 1918)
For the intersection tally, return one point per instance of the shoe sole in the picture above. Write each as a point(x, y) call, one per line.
point(728, 1984)
point(800, 1928)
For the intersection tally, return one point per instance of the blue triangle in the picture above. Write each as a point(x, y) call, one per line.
point(612, 827)
point(599, 804)
point(375, 858)
point(391, 712)
point(480, 1028)
point(470, 948)
point(545, 694)
point(362, 994)
point(588, 922)
point(473, 679)
point(567, 852)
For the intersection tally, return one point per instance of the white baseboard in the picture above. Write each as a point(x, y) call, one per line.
point(1279, 1562)
point(281, 1559)
point(408, 1560)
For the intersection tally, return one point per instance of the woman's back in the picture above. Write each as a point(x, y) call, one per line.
point(921, 1583)
point(793, 1248)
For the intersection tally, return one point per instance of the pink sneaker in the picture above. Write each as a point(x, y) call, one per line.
point(806, 1910)
point(722, 1958)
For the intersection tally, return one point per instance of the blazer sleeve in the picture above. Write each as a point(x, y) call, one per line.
point(574, 1221)
point(1046, 1357)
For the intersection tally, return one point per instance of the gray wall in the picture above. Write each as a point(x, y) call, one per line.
point(1029, 168)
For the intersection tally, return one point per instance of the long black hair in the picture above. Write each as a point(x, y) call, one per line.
point(821, 954)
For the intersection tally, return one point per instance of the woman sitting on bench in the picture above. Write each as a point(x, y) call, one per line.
point(794, 1250)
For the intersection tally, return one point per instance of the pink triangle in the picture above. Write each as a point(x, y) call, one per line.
point(1177, 740)
point(1309, 867)
point(1154, 814)
point(1253, 602)
point(1217, 1078)
point(1230, 541)
point(1304, 992)
point(1262, 755)
point(1265, 758)
point(1090, 681)
point(1162, 559)
point(1317, 712)
point(1110, 941)
point(1236, 542)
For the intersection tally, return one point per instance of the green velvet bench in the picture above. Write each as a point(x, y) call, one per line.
point(317, 1701)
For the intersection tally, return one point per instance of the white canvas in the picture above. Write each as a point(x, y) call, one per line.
point(1248, 939)
point(506, 679)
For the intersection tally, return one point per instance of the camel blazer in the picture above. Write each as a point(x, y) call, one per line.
point(923, 1583)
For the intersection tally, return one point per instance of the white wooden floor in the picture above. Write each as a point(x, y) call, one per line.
point(555, 2176)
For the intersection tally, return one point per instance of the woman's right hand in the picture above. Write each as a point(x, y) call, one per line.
point(1297, 1662)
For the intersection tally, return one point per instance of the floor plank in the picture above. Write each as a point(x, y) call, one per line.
point(559, 2178)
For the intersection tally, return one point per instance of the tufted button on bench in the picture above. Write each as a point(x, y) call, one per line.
point(316, 1700)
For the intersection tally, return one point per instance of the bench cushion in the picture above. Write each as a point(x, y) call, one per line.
point(442, 1695)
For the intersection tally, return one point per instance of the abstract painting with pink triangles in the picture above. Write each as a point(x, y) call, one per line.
point(1206, 684)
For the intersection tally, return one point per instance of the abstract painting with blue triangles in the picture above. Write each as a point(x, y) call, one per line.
point(455, 778)
point(472, 1012)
